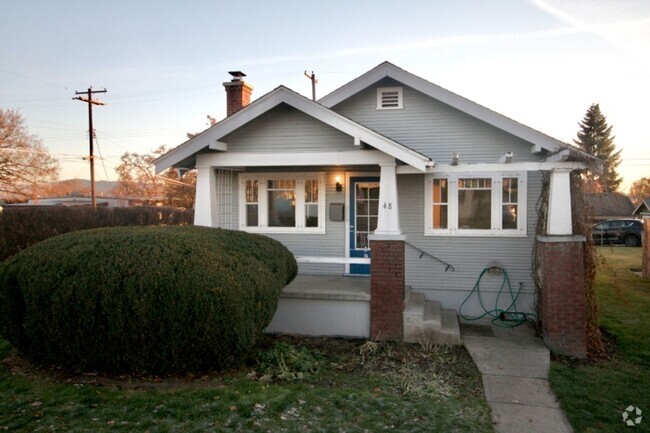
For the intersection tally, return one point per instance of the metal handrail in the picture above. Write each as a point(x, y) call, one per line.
point(423, 253)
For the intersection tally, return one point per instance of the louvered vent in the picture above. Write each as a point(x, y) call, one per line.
point(389, 98)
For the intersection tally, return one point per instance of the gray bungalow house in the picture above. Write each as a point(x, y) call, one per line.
point(394, 195)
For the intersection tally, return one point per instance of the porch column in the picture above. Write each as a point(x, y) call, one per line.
point(387, 266)
point(205, 205)
point(562, 271)
point(388, 217)
point(558, 221)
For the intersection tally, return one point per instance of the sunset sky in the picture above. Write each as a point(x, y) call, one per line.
point(540, 62)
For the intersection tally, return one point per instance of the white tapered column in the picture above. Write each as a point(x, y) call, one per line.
point(388, 218)
point(205, 205)
point(559, 203)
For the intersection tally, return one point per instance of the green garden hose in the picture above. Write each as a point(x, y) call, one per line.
point(508, 318)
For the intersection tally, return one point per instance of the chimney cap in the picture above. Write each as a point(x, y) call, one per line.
point(237, 75)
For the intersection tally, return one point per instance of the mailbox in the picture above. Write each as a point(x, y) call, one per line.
point(336, 212)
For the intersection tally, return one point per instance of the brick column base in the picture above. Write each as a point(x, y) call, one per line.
point(562, 298)
point(387, 289)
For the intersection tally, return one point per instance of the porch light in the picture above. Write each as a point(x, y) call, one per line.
point(339, 187)
point(455, 158)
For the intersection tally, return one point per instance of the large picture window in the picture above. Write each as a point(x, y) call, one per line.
point(476, 204)
point(282, 203)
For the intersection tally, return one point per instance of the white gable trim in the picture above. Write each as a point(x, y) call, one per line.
point(537, 139)
point(210, 137)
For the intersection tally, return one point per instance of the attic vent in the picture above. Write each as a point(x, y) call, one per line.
point(389, 98)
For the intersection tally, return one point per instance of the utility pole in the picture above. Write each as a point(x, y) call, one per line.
point(314, 81)
point(91, 134)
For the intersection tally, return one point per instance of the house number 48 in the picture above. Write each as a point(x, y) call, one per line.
point(388, 205)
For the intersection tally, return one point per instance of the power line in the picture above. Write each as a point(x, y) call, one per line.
point(101, 158)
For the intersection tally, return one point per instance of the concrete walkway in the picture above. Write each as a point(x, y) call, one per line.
point(514, 366)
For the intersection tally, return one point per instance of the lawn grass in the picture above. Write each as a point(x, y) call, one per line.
point(296, 385)
point(595, 393)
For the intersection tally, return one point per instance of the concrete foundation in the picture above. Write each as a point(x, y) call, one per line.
point(318, 305)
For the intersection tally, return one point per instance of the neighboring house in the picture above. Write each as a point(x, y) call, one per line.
point(379, 177)
point(643, 209)
point(102, 201)
point(79, 201)
point(609, 205)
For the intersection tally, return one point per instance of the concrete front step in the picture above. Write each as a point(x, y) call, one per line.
point(450, 332)
point(426, 321)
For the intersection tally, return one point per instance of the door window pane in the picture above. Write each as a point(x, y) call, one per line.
point(362, 207)
point(372, 223)
point(362, 240)
point(362, 223)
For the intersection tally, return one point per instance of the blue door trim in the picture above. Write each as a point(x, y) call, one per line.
point(357, 269)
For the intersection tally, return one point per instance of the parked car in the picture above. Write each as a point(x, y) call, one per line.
point(620, 231)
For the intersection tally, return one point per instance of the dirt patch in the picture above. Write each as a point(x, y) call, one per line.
point(340, 354)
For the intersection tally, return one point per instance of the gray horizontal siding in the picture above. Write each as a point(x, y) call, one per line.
point(468, 255)
point(330, 244)
point(286, 129)
point(434, 128)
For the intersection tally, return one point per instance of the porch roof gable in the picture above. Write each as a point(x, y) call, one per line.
point(209, 139)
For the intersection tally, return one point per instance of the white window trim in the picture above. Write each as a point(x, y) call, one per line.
point(452, 205)
point(400, 97)
point(262, 200)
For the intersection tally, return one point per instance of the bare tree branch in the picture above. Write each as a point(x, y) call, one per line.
point(24, 160)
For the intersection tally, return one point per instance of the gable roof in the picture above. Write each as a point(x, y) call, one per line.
point(644, 203)
point(610, 204)
point(538, 139)
point(209, 139)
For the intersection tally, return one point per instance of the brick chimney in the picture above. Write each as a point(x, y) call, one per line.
point(238, 93)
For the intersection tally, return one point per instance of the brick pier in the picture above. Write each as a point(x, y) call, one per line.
point(387, 289)
point(562, 300)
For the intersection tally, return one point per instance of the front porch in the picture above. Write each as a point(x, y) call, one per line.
point(331, 305)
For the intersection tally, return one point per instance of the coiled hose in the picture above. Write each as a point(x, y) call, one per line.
point(507, 318)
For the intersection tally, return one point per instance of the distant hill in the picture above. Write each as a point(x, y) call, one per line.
point(81, 187)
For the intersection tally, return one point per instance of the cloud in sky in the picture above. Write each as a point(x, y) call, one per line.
point(442, 42)
point(624, 24)
point(629, 34)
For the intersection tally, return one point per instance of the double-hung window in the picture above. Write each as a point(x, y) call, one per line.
point(282, 202)
point(476, 204)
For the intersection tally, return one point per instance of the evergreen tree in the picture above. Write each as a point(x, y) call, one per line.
point(595, 137)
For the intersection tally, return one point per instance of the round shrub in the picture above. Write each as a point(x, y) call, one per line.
point(143, 299)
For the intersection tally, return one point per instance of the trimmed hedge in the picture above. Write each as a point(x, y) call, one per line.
point(21, 227)
point(143, 299)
